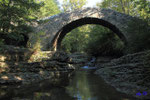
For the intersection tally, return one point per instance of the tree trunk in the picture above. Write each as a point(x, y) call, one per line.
point(122, 6)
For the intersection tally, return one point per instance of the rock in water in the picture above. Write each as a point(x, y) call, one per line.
point(85, 67)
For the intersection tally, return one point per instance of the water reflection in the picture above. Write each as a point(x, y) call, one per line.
point(79, 87)
point(44, 90)
point(87, 86)
point(82, 86)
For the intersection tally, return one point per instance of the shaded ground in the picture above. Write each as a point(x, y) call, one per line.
point(128, 74)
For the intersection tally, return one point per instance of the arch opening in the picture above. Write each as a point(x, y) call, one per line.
point(56, 42)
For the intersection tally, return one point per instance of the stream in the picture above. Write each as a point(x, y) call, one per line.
point(82, 85)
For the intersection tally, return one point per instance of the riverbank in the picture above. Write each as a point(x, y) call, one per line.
point(128, 74)
point(17, 65)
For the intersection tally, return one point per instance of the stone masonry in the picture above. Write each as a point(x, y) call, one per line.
point(57, 26)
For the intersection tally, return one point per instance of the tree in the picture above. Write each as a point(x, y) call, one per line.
point(123, 6)
point(70, 5)
point(104, 42)
point(93, 39)
point(49, 8)
point(15, 18)
point(75, 40)
point(139, 8)
point(142, 9)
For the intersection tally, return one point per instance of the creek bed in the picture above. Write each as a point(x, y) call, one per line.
point(82, 85)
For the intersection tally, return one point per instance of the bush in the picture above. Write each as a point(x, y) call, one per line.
point(35, 41)
point(140, 36)
point(104, 43)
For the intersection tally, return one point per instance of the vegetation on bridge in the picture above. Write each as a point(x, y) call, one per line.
point(97, 40)
point(17, 17)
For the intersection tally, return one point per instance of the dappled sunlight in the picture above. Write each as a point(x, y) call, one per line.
point(4, 77)
point(70, 66)
point(41, 72)
point(3, 65)
point(18, 78)
point(11, 78)
point(3, 58)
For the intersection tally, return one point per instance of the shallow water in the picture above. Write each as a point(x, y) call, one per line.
point(87, 86)
point(83, 85)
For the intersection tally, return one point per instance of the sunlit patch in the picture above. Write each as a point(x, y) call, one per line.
point(3, 64)
point(70, 66)
point(17, 77)
point(2, 58)
point(16, 63)
point(41, 72)
point(5, 77)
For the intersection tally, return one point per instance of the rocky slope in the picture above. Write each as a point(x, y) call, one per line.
point(128, 74)
point(17, 66)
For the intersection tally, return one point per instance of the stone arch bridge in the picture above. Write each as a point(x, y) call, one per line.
point(56, 27)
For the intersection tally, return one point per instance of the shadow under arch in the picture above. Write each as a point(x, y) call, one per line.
point(56, 42)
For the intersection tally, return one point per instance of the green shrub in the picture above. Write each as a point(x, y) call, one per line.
point(104, 43)
point(107, 45)
point(140, 36)
point(35, 40)
point(93, 39)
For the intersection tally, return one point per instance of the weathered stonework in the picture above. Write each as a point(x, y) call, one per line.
point(128, 74)
point(58, 26)
point(17, 68)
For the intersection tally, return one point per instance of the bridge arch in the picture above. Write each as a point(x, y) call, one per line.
point(56, 42)
point(57, 26)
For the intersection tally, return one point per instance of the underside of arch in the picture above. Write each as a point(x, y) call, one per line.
point(56, 42)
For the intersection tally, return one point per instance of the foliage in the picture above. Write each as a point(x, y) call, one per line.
point(70, 5)
point(76, 40)
point(140, 36)
point(138, 29)
point(49, 8)
point(93, 39)
point(142, 9)
point(123, 6)
point(35, 42)
point(38, 56)
point(15, 18)
point(139, 8)
point(104, 42)
point(16, 13)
